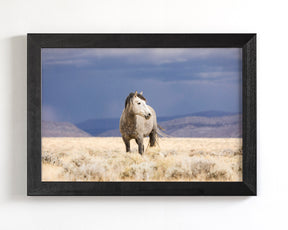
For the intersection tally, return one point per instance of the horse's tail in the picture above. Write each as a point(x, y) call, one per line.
point(160, 131)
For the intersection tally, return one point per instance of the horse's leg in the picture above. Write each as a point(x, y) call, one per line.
point(139, 141)
point(152, 137)
point(127, 144)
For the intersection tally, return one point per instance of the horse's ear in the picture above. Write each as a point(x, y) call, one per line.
point(141, 93)
point(135, 94)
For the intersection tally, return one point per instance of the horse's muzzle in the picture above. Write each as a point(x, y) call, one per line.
point(147, 117)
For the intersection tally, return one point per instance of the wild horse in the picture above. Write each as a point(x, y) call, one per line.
point(138, 120)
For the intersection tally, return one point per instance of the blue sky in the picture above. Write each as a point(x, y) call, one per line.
point(81, 84)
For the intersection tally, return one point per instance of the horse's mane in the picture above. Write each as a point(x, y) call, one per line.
point(130, 96)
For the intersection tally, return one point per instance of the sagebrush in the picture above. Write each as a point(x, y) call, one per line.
point(173, 159)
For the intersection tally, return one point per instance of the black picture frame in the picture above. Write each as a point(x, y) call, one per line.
point(35, 187)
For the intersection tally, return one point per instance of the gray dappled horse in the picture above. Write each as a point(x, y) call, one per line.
point(138, 120)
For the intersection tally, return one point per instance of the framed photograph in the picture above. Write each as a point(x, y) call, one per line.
point(141, 114)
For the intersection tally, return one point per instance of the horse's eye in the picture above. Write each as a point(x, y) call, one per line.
point(138, 103)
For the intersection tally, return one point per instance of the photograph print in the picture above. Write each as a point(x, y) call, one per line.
point(141, 114)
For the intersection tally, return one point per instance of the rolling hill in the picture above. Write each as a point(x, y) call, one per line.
point(224, 126)
point(61, 129)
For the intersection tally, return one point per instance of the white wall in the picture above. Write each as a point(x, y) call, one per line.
point(267, 210)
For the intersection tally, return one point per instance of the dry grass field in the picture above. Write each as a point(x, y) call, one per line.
point(173, 159)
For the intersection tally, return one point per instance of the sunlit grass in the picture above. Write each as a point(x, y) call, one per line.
point(173, 159)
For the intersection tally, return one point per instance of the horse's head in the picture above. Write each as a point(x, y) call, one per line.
point(136, 104)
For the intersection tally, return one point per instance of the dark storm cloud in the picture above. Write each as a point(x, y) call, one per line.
point(79, 84)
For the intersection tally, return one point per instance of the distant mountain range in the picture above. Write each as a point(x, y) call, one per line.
point(202, 124)
point(97, 127)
